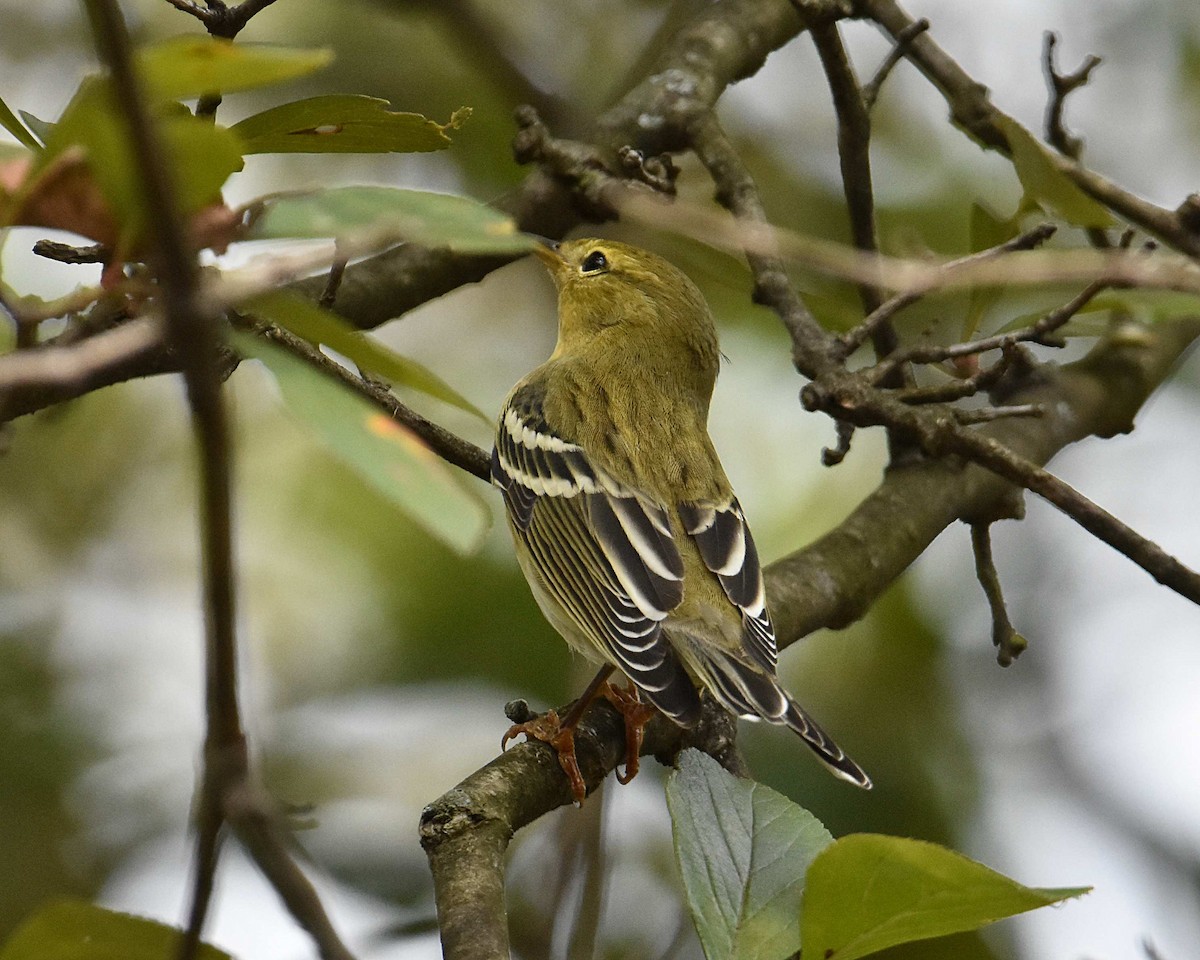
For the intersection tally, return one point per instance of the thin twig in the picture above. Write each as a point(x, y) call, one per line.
point(851, 340)
point(1044, 331)
point(1008, 643)
point(854, 152)
point(194, 336)
point(336, 272)
point(67, 253)
point(988, 414)
point(832, 456)
point(813, 350)
point(1061, 85)
point(963, 387)
point(450, 447)
point(1148, 555)
point(871, 89)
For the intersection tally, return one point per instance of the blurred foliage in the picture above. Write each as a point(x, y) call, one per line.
point(40, 756)
point(341, 594)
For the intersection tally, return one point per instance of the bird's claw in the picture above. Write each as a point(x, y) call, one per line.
point(548, 728)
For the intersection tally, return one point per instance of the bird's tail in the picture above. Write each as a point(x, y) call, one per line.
point(823, 745)
point(747, 691)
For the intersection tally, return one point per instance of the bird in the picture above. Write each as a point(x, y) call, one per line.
point(624, 522)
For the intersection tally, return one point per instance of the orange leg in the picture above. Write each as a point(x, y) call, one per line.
point(560, 734)
point(636, 715)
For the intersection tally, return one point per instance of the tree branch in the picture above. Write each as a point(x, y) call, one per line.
point(971, 109)
point(834, 581)
point(226, 790)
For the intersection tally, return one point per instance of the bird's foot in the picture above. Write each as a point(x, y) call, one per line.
point(636, 715)
point(548, 728)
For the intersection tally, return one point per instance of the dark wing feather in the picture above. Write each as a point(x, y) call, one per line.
point(727, 548)
point(741, 688)
point(603, 552)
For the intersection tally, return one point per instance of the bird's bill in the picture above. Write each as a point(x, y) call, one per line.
point(547, 251)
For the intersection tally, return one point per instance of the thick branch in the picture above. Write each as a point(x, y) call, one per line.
point(835, 580)
point(39, 377)
point(723, 43)
point(466, 831)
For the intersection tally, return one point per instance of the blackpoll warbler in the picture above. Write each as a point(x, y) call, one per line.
point(624, 522)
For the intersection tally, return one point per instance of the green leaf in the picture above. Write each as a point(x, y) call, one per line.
point(9, 121)
point(378, 215)
point(986, 231)
point(1049, 186)
point(341, 124)
point(41, 128)
point(1148, 306)
point(311, 322)
point(867, 892)
point(203, 155)
point(390, 457)
point(742, 850)
point(75, 930)
point(193, 65)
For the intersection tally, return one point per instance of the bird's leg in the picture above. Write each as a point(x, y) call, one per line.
point(560, 734)
point(636, 715)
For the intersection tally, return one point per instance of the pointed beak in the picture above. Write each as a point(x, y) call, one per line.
point(547, 252)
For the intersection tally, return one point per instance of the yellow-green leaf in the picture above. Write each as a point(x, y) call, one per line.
point(317, 325)
point(743, 851)
point(1049, 186)
point(75, 930)
point(867, 892)
point(986, 231)
point(39, 127)
point(379, 215)
point(340, 123)
point(193, 65)
point(387, 455)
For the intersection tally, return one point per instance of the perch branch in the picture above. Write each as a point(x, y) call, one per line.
point(830, 583)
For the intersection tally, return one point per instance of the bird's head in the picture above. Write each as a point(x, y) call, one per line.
point(611, 293)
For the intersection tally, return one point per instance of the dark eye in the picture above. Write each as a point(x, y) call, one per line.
point(594, 261)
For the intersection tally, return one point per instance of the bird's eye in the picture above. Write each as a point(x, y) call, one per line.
point(595, 262)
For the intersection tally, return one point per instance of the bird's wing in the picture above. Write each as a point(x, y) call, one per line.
point(604, 553)
point(727, 548)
